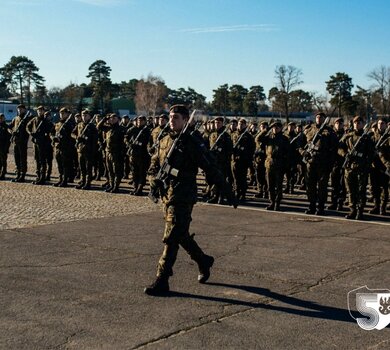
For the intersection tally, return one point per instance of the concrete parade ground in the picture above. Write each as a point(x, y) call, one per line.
point(73, 267)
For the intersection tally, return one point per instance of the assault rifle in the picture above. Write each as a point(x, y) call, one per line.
point(219, 138)
point(81, 138)
point(382, 139)
point(17, 131)
point(311, 147)
point(166, 170)
point(353, 152)
point(135, 142)
point(158, 139)
point(239, 139)
point(34, 135)
point(296, 138)
point(58, 136)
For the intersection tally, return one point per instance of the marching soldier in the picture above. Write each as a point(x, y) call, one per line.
point(221, 147)
point(179, 198)
point(358, 148)
point(243, 149)
point(20, 139)
point(137, 139)
point(277, 149)
point(64, 145)
point(337, 174)
point(319, 163)
point(86, 136)
point(259, 163)
point(115, 150)
point(40, 129)
point(5, 141)
point(158, 132)
point(379, 179)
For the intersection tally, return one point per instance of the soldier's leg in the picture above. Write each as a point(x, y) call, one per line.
point(375, 190)
point(3, 165)
point(37, 158)
point(279, 175)
point(351, 184)
point(269, 174)
point(118, 171)
point(385, 194)
point(90, 160)
point(362, 178)
point(23, 161)
point(83, 170)
point(17, 161)
point(323, 180)
point(311, 188)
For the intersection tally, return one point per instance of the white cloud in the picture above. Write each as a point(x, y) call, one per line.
point(234, 28)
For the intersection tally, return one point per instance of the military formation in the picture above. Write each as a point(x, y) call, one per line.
point(274, 159)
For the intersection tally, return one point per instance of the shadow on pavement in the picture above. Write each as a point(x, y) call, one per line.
point(311, 309)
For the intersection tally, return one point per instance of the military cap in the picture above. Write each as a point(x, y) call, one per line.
point(218, 119)
point(40, 107)
point(163, 116)
point(125, 116)
point(2, 115)
point(181, 109)
point(47, 113)
point(276, 122)
point(242, 120)
point(263, 122)
point(292, 123)
point(141, 117)
point(321, 114)
point(234, 120)
point(85, 111)
point(21, 106)
point(358, 118)
point(339, 120)
point(64, 110)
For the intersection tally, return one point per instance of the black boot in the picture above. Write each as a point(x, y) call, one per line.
point(332, 206)
point(271, 206)
point(359, 215)
point(204, 268)
point(311, 209)
point(351, 214)
point(383, 210)
point(159, 287)
point(59, 182)
point(21, 178)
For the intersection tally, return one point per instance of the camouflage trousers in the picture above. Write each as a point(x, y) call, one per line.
point(20, 154)
point(86, 165)
point(114, 163)
point(42, 156)
point(65, 165)
point(356, 181)
point(176, 233)
point(317, 178)
point(3, 163)
point(274, 177)
point(379, 187)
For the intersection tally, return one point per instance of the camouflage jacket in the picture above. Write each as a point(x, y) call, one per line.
point(86, 136)
point(5, 138)
point(40, 130)
point(277, 150)
point(62, 139)
point(244, 148)
point(114, 138)
point(188, 156)
point(18, 129)
point(224, 147)
point(364, 154)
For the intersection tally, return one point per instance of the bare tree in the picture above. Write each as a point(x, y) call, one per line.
point(150, 95)
point(381, 88)
point(287, 78)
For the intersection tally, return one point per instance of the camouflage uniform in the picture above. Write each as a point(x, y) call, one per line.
point(357, 170)
point(64, 145)
point(40, 130)
point(222, 151)
point(5, 138)
point(86, 144)
point(20, 139)
point(114, 154)
point(379, 178)
point(242, 157)
point(292, 162)
point(278, 153)
point(319, 166)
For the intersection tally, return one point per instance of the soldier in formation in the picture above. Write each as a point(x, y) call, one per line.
point(5, 141)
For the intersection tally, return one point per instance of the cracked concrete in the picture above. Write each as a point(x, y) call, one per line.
point(276, 283)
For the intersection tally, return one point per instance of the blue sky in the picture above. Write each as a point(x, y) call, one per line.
point(202, 44)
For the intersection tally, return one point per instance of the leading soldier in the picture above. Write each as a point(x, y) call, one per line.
point(179, 197)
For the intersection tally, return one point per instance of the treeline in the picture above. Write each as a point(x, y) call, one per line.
point(20, 79)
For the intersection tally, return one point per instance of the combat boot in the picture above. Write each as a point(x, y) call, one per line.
point(87, 186)
point(351, 214)
point(277, 207)
point(383, 210)
point(271, 206)
point(375, 210)
point(159, 287)
point(204, 268)
point(320, 210)
point(340, 206)
point(359, 215)
point(213, 200)
point(138, 191)
point(59, 182)
point(332, 206)
point(80, 185)
point(311, 209)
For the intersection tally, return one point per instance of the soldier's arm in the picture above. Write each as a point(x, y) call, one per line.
point(30, 126)
point(342, 146)
point(75, 132)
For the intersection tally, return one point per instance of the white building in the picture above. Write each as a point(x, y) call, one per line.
point(9, 109)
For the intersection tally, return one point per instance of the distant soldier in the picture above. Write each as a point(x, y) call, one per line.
point(378, 176)
point(50, 154)
point(292, 162)
point(100, 167)
point(278, 153)
point(115, 150)
point(252, 173)
point(319, 163)
point(259, 162)
point(78, 120)
point(64, 145)
point(233, 125)
point(86, 136)
point(221, 148)
point(243, 149)
point(137, 140)
point(358, 167)
point(5, 140)
point(20, 138)
point(337, 175)
point(126, 124)
point(40, 129)
point(158, 132)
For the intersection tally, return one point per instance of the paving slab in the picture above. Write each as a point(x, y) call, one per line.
point(280, 281)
